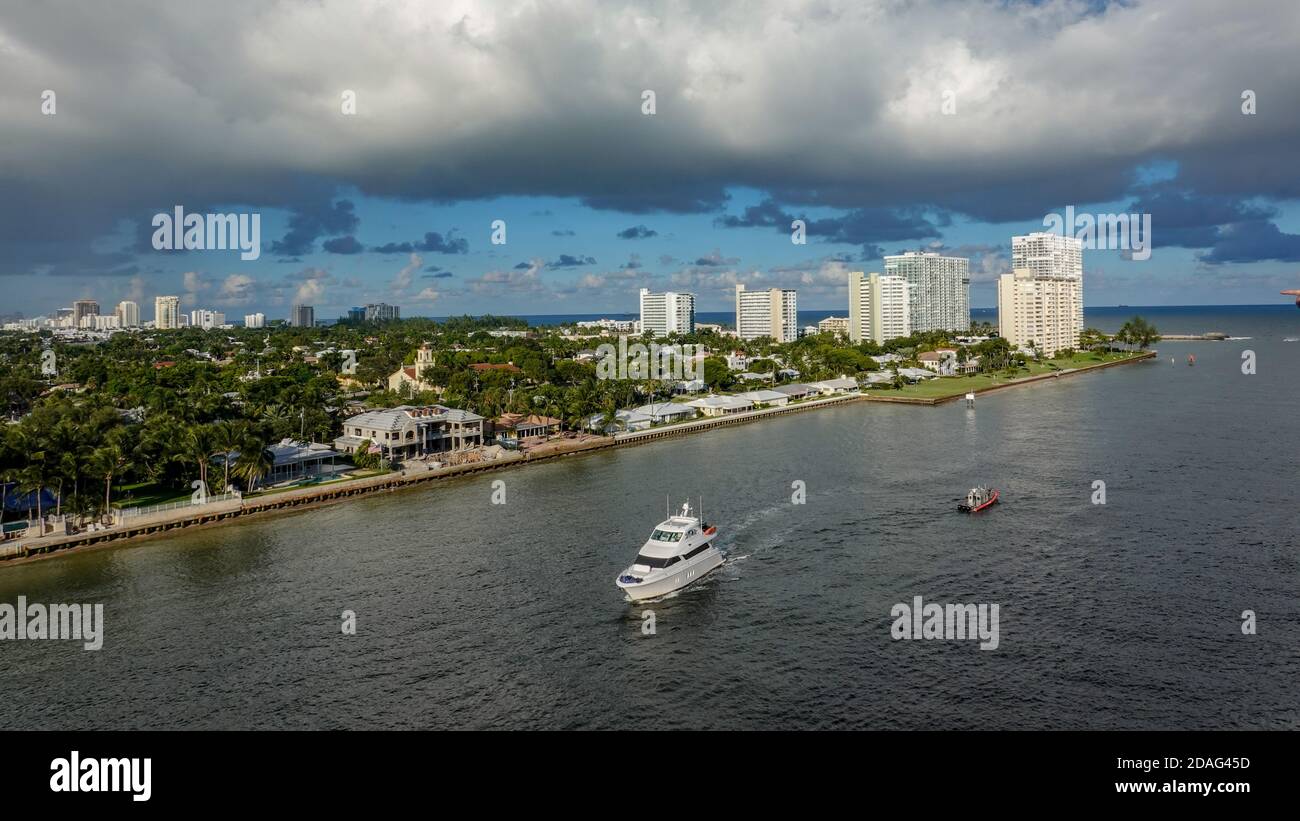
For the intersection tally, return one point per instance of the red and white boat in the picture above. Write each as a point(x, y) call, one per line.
point(978, 499)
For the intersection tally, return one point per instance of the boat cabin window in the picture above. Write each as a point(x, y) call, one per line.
point(651, 561)
point(666, 536)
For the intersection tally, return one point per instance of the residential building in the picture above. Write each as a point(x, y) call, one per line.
point(830, 387)
point(797, 391)
point(879, 307)
point(771, 312)
point(659, 412)
point(618, 326)
point(772, 398)
point(103, 322)
point(257, 320)
point(382, 312)
point(510, 428)
point(406, 430)
point(207, 320)
point(713, 405)
point(83, 308)
point(294, 460)
point(838, 325)
point(128, 314)
point(302, 316)
point(1045, 254)
point(166, 312)
point(624, 420)
point(667, 313)
point(1045, 310)
point(939, 295)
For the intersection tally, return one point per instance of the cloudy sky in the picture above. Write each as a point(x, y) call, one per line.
point(532, 113)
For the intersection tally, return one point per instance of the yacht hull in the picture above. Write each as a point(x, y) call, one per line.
point(687, 574)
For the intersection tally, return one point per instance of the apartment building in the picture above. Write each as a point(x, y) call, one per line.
point(940, 289)
point(166, 312)
point(772, 312)
point(667, 313)
point(879, 307)
point(1045, 310)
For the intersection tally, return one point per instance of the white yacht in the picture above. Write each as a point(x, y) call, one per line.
point(678, 552)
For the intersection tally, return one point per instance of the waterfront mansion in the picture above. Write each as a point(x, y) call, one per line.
point(409, 431)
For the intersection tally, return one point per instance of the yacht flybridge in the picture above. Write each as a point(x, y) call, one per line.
point(678, 552)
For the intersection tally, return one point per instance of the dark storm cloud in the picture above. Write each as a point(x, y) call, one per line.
point(1056, 104)
point(860, 226)
point(570, 261)
point(343, 245)
point(637, 232)
point(313, 221)
point(433, 242)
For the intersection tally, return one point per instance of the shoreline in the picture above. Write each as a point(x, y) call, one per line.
point(47, 547)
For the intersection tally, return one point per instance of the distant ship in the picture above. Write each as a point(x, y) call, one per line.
point(1191, 359)
point(679, 551)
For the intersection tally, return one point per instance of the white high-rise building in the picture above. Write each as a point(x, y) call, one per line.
point(128, 314)
point(770, 312)
point(666, 313)
point(1045, 310)
point(166, 312)
point(1045, 254)
point(207, 320)
point(940, 297)
point(879, 307)
point(105, 322)
point(257, 320)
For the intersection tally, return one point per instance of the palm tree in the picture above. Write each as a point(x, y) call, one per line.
point(34, 476)
point(109, 461)
point(227, 437)
point(198, 447)
point(254, 462)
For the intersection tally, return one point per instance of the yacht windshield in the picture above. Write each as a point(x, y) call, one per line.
point(651, 561)
point(666, 536)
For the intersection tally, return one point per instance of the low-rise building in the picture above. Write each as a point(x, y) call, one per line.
point(660, 412)
point(831, 387)
point(510, 428)
point(407, 430)
point(797, 391)
point(714, 405)
point(771, 398)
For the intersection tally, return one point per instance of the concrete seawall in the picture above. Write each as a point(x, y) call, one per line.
point(23, 550)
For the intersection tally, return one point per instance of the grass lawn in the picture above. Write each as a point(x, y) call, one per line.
point(142, 494)
point(946, 386)
point(362, 474)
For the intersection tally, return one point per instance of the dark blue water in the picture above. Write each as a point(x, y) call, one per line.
point(1123, 615)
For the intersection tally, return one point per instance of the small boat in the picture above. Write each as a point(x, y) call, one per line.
point(1292, 339)
point(679, 552)
point(977, 499)
point(1191, 359)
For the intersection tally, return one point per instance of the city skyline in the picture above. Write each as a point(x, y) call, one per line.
point(598, 195)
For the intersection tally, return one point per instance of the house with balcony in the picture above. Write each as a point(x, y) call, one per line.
point(408, 430)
